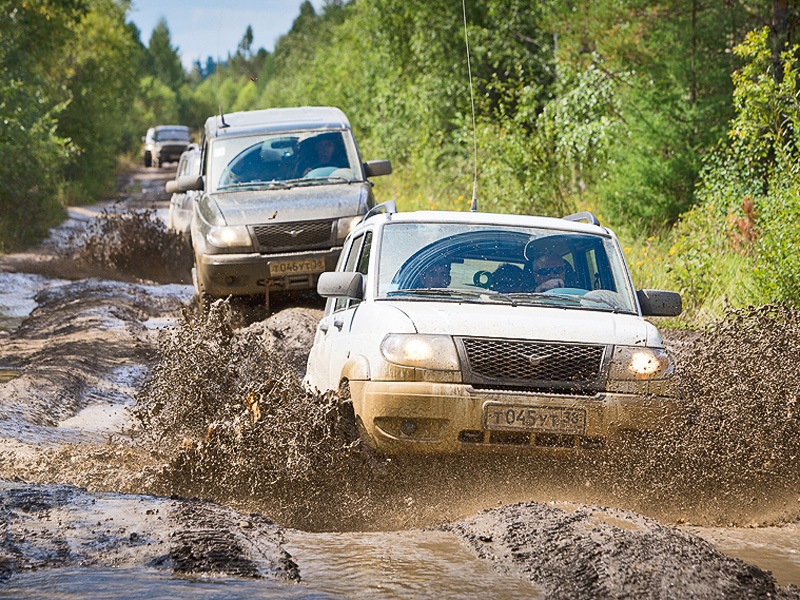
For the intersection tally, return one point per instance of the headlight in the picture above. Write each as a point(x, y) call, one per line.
point(229, 237)
point(437, 352)
point(636, 363)
point(345, 225)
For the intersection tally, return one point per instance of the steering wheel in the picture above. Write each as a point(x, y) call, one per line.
point(482, 279)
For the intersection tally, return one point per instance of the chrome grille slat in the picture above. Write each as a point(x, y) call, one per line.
point(298, 235)
point(532, 364)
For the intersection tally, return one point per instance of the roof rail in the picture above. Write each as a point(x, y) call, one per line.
point(583, 216)
point(387, 207)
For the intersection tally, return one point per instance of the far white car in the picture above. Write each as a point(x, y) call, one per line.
point(454, 332)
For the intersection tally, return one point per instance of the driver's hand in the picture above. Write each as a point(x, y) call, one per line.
point(550, 284)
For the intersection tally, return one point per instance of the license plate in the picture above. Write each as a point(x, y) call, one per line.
point(292, 267)
point(542, 419)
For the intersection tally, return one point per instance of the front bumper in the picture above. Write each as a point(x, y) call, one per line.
point(221, 275)
point(169, 153)
point(451, 418)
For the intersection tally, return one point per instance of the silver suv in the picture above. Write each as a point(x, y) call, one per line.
point(164, 144)
point(281, 189)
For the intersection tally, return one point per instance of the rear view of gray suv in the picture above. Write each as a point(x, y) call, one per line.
point(280, 189)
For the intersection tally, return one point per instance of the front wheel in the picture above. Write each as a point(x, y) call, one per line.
point(202, 298)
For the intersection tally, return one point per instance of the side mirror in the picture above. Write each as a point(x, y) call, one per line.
point(374, 168)
point(337, 284)
point(660, 303)
point(185, 183)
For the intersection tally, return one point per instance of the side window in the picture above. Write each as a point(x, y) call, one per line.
point(349, 265)
point(602, 279)
point(363, 261)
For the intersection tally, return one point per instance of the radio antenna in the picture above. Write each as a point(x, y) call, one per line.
point(474, 204)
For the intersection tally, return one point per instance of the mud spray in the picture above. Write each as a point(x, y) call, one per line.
point(130, 245)
point(230, 421)
point(732, 456)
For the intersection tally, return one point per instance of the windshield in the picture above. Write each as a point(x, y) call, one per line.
point(178, 134)
point(514, 265)
point(300, 158)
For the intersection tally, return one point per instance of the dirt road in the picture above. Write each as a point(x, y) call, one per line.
point(145, 450)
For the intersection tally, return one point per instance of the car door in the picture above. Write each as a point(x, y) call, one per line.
point(333, 339)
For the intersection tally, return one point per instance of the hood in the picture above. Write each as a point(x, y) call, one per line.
point(530, 322)
point(251, 207)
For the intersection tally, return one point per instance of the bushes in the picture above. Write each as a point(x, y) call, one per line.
point(64, 72)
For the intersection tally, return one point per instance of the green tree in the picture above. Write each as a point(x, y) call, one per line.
point(672, 60)
point(102, 62)
point(165, 60)
point(32, 37)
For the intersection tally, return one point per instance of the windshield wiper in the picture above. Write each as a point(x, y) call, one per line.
point(572, 299)
point(615, 307)
point(451, 293)
point(313, 180)
point(243, 184)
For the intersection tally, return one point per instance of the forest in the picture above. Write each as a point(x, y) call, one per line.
point(675, 121)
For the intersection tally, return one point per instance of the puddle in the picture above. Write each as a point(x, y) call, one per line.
point(146, 584)
point(408, 564)
point(774, 549)
point(17, 292)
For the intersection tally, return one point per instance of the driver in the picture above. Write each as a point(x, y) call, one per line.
point(324, 153)
point(548, 272)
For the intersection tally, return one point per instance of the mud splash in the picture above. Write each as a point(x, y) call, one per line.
point(134, 244)
point(231, 421)
point(733, 455)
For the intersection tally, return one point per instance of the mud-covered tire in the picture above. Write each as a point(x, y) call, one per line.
point(202, 299)
point(348, 414)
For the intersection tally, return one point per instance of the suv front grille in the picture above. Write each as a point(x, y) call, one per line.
point(300, 235)
point(523, 364)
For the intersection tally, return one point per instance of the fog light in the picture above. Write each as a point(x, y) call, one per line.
point(408, 427)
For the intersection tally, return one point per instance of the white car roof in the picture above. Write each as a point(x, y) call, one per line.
point(483, 218)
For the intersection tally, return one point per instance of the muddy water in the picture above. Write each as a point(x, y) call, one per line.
point(115, 385)
point(145, 584)
point(409, 564)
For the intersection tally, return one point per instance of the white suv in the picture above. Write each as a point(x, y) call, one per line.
point(455, 332)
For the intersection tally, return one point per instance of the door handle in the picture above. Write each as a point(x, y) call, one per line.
point(338, 324)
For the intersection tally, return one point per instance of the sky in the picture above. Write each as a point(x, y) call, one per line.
point(202, 28)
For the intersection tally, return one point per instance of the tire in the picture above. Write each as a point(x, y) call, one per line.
point(352, 431)
point(202, 298)
point(148, 160)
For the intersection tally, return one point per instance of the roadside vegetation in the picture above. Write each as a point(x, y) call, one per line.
point(675, 121)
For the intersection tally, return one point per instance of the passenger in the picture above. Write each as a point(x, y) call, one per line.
point(437, 275)
point(549, 271)
point(508, 278)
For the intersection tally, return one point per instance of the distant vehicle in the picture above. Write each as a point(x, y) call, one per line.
point(165, 143)
point(181, 204)
point(460, 332)
point(280, 190)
